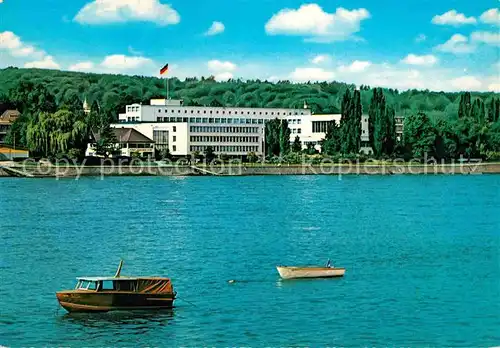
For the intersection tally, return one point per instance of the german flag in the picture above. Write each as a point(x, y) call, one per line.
point(164, 70)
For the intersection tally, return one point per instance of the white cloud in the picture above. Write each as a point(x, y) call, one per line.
point(223, 76)
point(413, 59)
point(421, 38)
point(15, 46)
point(469, 83)
point(121, 62)
point(311, 21)
point(220, 66)
point(320, 59)
point(494, 87)
point(486, 37)
point(454, 18)
point(215, 28)
point(117, 11)
point(355, 67)
point(311, 74)
point(492, 16)
point(46, 63)
point(458, 44)
point(222, 70)
point(82, 66)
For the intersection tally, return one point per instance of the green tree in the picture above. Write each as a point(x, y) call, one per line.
point(284, 137)
point(346, 123)
point(356, 121)
point(272, 134)
point(297, 145)
point(55, 134)
point(332, 143)
point(465, 106)
point(29, 97)
point(209, 154)
point(419, 136)
point(446, 140)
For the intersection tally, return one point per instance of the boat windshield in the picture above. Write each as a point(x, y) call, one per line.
point(86, 285)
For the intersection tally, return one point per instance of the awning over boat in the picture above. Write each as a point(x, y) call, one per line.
point(154, 286)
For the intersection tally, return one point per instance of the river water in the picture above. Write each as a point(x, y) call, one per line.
point(422, 255)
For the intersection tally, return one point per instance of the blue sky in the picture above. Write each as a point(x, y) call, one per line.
point(439, 45)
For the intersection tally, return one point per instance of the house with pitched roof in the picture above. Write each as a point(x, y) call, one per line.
point(127, 142)
point(6, 121)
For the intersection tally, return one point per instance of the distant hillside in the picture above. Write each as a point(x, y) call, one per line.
point(115, 91)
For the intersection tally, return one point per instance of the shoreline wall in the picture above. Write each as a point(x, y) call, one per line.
point(361, 169)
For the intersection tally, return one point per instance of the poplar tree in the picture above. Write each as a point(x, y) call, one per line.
point(356, 119)
point(346, 123)
point(381, 124)
point(465, 106)
point(284, 137)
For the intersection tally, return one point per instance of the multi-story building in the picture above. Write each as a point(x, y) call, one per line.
point(233, 131)
point(6, 121)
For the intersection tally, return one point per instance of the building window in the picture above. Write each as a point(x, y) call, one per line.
point(299, 130)
point(158, 119)
point(174, 129)
point(174, 148)
point(174, 138)
point(299, 121)
point(159, 110)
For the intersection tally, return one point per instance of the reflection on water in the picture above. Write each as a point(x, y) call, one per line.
point(290, 283)
point(400, 239)
point(138, 322)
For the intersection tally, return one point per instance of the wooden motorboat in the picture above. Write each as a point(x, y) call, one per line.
point(103, 294)
point(309, 272)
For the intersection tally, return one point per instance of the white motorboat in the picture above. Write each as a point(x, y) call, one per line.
point(309, 272)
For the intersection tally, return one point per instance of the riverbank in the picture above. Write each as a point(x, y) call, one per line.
point(49, 171)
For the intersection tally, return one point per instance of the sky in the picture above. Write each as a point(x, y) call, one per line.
point(448, 45)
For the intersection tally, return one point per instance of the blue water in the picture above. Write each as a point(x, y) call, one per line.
point(422, 255)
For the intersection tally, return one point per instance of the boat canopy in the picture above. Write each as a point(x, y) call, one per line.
point(100, 279)
point(152, 285)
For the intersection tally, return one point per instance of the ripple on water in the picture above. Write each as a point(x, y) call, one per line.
point(421, 270)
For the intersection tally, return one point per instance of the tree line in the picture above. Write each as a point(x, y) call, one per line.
point(444, 125)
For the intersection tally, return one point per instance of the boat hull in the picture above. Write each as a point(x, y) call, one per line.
point(84, 301)
point(309, 272)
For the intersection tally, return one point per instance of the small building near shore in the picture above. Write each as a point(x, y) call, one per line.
point(129, 143)
point(10, 153)
point(6, 121)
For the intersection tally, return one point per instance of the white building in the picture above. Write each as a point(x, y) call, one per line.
point(228, 130)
